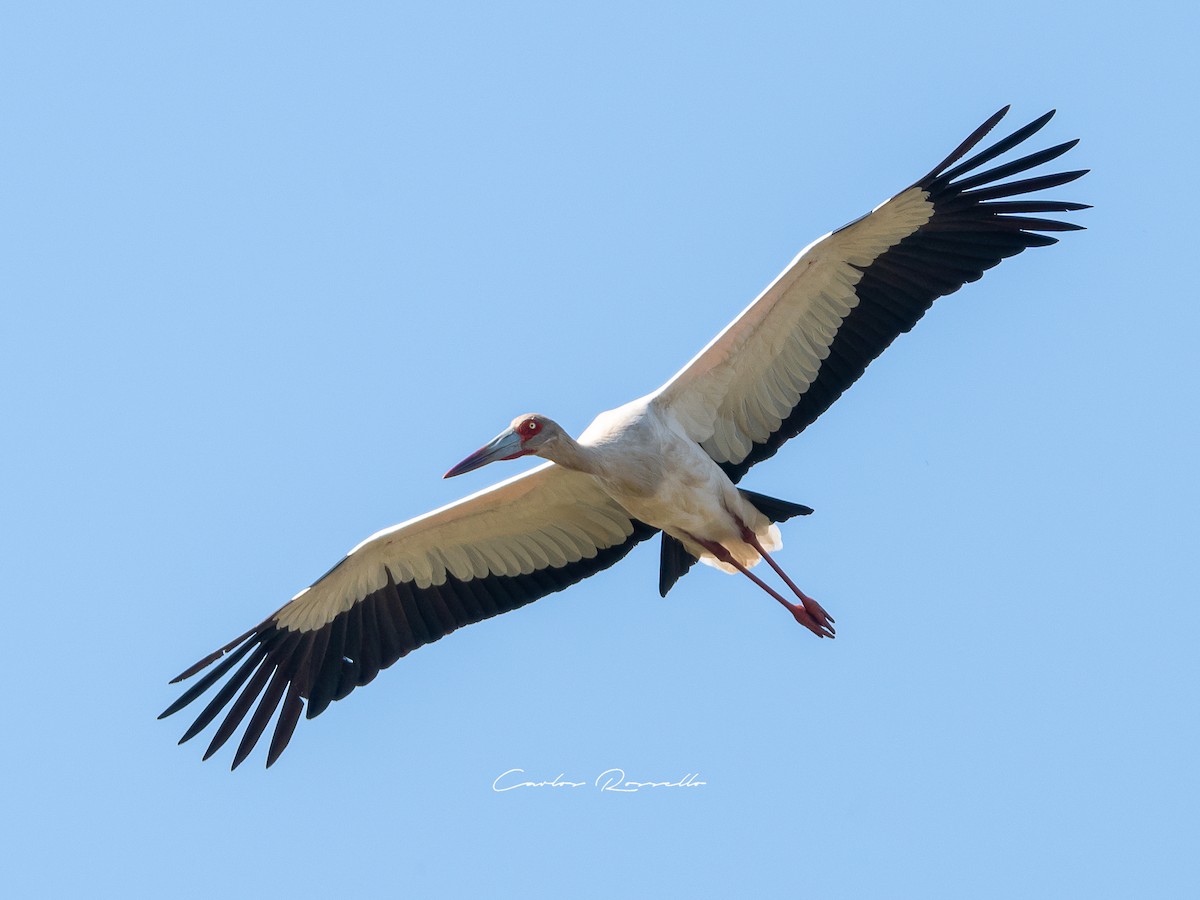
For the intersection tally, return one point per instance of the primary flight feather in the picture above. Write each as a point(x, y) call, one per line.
point(668, 462)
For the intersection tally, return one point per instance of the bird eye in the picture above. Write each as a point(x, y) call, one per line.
point(531, 425)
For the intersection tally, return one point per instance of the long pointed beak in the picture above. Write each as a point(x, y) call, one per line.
point(506, 445)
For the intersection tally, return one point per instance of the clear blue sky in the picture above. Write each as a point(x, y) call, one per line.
point(269, 272)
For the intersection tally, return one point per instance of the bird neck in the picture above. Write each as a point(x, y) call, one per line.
point(570, 454)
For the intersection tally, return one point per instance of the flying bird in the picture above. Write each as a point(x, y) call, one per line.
point(666, 463)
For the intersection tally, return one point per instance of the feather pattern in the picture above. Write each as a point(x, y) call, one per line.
point(847, 296)
point(406, 587)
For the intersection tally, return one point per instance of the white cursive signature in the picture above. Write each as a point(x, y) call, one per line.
point(504, 782)
point(613, 780)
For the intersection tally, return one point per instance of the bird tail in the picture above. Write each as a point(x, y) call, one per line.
point(675, 560)
point(773, 509)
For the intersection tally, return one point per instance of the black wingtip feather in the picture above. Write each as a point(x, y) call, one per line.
point(286, 726)
point(1024, 186)
point(208, 681)
point(974, 138)
point(211, 658)
point(241, 706)
point(291, 650)
point(225, 694)
point(267, 705)
point(1032, 161)
point(941, 176)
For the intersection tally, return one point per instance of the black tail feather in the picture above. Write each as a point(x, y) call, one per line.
point(674, 562)
point(773, 509)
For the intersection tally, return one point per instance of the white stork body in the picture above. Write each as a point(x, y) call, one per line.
point(645, 461)
point(668, 462)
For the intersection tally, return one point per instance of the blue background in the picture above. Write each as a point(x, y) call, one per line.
point(270, 269)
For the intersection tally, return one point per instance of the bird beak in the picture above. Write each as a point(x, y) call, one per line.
point(506, 445)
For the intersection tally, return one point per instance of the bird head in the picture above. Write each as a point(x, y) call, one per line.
point(526, 436)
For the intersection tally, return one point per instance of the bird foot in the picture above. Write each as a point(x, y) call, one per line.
point(817, 611)
point(814, 618)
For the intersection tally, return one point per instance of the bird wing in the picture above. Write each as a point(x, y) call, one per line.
point(805, 339)
point(407, 586)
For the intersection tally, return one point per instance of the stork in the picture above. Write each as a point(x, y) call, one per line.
point(668, 462)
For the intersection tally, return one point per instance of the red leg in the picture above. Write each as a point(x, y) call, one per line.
point(820, 627)
point(812, 606)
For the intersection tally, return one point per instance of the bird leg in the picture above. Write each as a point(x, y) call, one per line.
point(820, 627)
point(811, 606)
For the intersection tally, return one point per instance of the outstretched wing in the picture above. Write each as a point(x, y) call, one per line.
point(404, 587)
point(846, 297)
